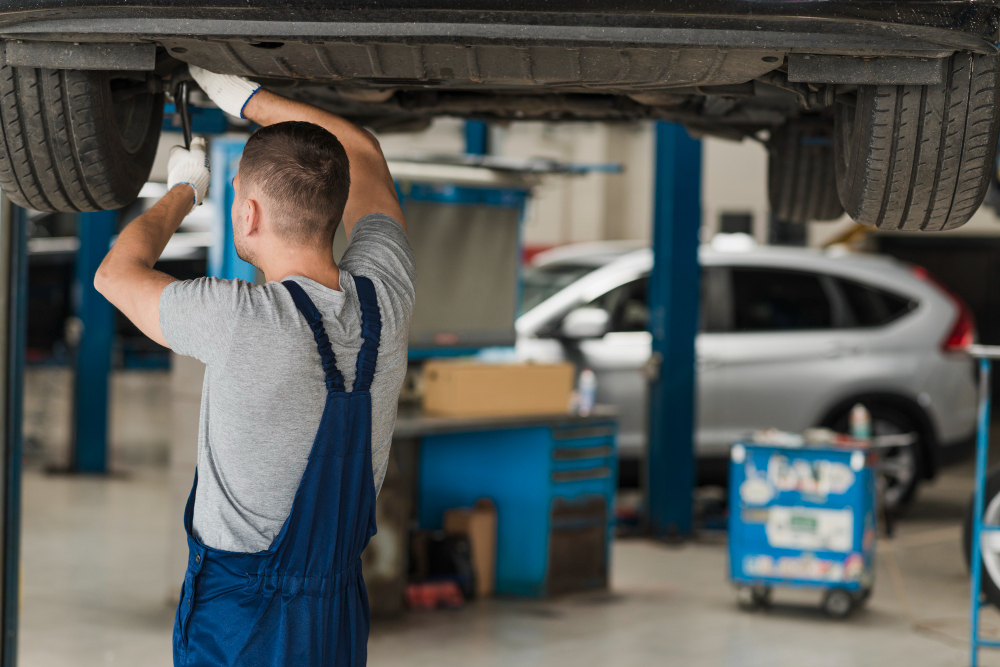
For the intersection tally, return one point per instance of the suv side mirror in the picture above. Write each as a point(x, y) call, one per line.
point(585, 323)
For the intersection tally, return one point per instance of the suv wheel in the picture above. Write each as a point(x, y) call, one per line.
point(801, 179)
point(76, 140)
point(902, 467)
point(919, 157)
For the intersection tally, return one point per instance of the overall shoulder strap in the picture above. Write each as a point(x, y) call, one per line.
point(371, 331)
point(334, 378)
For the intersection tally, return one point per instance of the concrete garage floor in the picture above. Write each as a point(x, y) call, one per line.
point(95, 581)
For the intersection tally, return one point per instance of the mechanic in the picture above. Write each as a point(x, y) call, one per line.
point(302, 379)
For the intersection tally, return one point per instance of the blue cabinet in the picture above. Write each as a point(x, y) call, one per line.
point(553, 486)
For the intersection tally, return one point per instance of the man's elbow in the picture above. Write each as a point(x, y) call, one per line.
point(104, 279)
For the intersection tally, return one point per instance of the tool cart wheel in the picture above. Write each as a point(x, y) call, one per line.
point(754, 597)
point(837, 603)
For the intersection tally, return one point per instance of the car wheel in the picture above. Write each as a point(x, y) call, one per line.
point(919, 157)
point(837, 603)
point(801, 175)
point(990, 541)
point(76, 140)
point(902, 467)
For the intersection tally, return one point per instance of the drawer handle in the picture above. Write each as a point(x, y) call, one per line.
point(579, 475)
point(579, 433)
point(569, 454)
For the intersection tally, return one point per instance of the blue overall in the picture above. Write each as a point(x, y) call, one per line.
point(302, 602)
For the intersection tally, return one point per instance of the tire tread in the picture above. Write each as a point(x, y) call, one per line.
point(930, 172)
point(60, 149)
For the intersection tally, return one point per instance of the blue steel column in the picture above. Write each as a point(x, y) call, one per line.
point(673, 298)
point(13, 319)
point(477, 137)
point(975, 557)
point(93, 353)
point(222, 259)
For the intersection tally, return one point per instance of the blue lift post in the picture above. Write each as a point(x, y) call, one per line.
point(477, 137)
point(13, 321)
point(222, 259)
point(673, 298)
point(93, 352)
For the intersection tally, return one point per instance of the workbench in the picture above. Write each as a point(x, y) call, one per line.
point(551, 477)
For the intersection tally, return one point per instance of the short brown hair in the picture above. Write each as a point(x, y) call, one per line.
point(303, 171)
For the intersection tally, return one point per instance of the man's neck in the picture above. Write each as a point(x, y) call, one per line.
point(318, 267)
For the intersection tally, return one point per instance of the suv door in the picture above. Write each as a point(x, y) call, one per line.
point(784, 354)
point(618, 359)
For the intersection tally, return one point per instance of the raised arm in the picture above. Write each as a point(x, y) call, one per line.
point(372, 187)
point(126, 277)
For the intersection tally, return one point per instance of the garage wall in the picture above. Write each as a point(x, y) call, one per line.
point(599, 206)
point(565, 208)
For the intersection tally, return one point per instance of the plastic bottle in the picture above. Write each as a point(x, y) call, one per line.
point(587, 391)
point(861, 422)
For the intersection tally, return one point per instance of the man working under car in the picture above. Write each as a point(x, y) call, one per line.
point(302, 378)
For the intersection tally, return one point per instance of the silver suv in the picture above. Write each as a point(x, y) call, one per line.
point(789, 338)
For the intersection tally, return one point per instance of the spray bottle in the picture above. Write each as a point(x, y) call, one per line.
point(861, 422)
point(587, 391)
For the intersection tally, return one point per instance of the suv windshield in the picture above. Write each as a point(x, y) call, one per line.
point(541, 282)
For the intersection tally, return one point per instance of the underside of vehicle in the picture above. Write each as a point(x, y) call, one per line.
point(885, 109)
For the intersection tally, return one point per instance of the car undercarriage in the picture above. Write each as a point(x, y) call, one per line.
point(778, 72)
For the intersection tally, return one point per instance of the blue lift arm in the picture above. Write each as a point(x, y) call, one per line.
point(673, 299)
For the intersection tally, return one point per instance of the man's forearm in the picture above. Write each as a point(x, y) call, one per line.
point(144, 239)
point(127, 278)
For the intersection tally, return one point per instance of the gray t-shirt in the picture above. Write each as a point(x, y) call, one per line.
point(264, 388)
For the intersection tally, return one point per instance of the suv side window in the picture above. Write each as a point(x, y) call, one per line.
point(628, 306)
point(778, 300)
point(869, 306)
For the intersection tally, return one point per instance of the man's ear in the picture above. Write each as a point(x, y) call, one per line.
point(255, 217)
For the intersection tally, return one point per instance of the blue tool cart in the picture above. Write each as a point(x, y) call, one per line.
point(986, 354)
point(802, 517)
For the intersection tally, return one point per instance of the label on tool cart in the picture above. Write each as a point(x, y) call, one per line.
point(814, 478)
point(810, 529)
point(805, 567)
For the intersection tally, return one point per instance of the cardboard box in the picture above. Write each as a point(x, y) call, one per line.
point(479, 524)
point(467, 389)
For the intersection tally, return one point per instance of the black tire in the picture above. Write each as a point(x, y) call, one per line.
point(75, 140)
point(837, 603)
point(989, 586)
point(919, 157)
point(887, 419)
point(801, 173)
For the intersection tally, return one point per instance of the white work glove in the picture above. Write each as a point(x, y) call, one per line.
point(190, 167)
point(229, 92)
